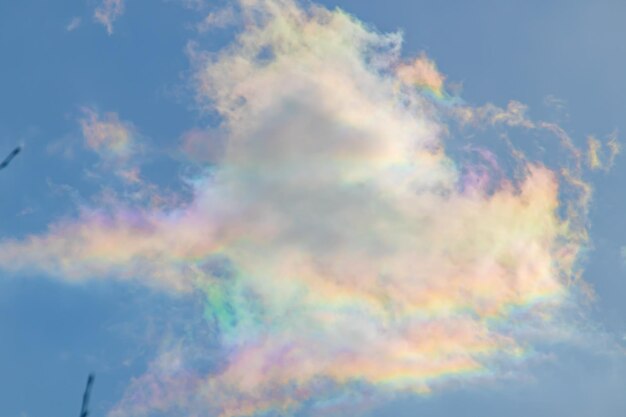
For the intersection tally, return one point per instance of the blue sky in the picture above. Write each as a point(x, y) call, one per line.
point(564, 60)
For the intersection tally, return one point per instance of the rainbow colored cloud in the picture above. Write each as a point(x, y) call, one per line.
point(343, 253)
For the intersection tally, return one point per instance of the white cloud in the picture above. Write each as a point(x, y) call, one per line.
point(107, 12)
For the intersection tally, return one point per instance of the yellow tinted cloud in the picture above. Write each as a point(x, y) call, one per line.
point(422, 72)
point(597, 158)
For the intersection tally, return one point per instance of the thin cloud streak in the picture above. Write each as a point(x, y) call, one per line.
point(73, 24)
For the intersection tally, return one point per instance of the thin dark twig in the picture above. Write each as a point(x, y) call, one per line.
point(8, 159)
point(84, 411)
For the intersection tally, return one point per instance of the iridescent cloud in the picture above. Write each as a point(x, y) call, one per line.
point(343, 253)
point(107, 135)
point(422, 72)
point(598, 157)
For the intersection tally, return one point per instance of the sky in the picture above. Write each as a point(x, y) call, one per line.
point(331, 208)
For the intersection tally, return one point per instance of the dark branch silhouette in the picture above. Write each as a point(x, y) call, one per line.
point(9, 158)
point(84, 411)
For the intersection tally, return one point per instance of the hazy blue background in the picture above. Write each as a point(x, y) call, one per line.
point(52, 334)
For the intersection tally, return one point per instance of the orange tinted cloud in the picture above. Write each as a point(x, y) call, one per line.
point(422, 72)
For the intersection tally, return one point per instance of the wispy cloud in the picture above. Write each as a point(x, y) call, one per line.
point(107, 135)
point(117, 142)
point(73, 24)
point(601, 156)
point(107, 12)
point(217, 19)
point(344, 254)
point(556, 103)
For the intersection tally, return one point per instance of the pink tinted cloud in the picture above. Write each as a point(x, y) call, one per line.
point(108, 12)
